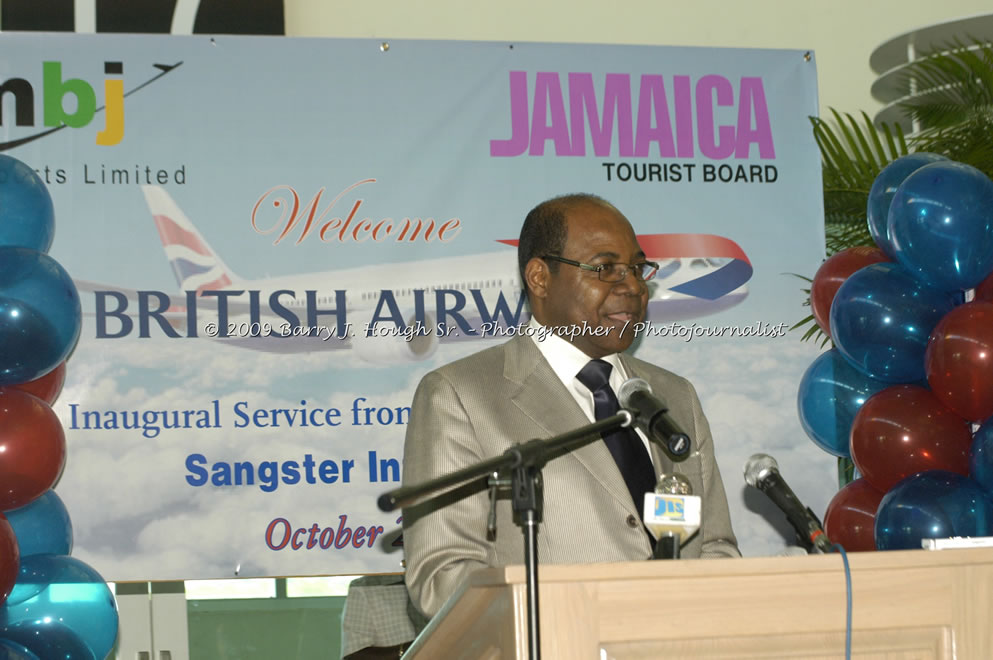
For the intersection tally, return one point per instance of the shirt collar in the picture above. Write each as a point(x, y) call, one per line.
point(565, 359)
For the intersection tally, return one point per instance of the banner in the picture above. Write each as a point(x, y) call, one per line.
point(274, 239)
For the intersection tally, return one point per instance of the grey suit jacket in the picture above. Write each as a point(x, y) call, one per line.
point(476, 408)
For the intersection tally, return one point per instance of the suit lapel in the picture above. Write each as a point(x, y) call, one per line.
point(545, 401)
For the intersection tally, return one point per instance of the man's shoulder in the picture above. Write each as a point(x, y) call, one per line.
point(651, 370)
point(488, 362)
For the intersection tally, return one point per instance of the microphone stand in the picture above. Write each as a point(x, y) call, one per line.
point(524, 462)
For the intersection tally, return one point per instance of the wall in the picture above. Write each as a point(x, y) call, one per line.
point(842, 33)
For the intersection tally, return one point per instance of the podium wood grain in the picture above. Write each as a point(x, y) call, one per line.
point(907, 604)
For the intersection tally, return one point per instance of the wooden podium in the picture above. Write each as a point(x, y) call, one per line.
point(906, 604)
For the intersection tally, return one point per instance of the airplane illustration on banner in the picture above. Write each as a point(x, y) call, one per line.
point(385, 312)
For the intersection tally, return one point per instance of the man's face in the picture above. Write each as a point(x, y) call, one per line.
point(597, 234)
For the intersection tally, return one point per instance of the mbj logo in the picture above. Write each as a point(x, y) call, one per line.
point(55, 94)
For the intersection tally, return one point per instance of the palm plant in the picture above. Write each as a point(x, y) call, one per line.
point(953, 105)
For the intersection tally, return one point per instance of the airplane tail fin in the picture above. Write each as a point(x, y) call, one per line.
point(195, 265)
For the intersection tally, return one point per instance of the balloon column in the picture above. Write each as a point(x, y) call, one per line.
point(912, 366)
point(51, 604)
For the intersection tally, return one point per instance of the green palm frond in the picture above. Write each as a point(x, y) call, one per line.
point(853, 152)
point(811, 329)
point(953, 103)
point(846, 471)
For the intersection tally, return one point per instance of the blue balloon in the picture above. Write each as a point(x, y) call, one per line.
point(981, 456)
point(932, 505)
point(40, 315)
point(831, 392)
point(42, 527)
point(48, 639)
point(68, 597)
point(882, 191)
point(27, 217)
point(881, 319)
point(11, 650)
point(941, 224)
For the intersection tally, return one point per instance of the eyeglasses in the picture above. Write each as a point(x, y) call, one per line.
point(614, 273)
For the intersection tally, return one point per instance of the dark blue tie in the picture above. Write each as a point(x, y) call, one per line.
point(624, 444)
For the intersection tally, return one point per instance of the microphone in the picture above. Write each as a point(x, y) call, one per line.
point(652, 417)
point(762, 472)
point(672, 514)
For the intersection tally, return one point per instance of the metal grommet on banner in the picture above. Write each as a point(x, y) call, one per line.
point(384, 46)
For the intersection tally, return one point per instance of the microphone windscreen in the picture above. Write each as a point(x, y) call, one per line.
point(757, 467)
point(628, 388)
point(673, 484)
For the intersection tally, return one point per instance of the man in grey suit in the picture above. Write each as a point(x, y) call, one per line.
point(584, 274)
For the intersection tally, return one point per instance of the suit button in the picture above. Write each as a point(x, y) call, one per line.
point(632, 521)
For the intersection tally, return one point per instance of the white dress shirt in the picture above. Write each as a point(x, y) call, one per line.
point(567, 361)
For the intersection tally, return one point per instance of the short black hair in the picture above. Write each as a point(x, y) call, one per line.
point(545, 230)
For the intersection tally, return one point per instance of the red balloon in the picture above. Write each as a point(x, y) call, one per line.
point(850, 519)
point(47, 387)
point(32, 448)
point(10, 560)
point(903, 430)
point(832, 273)
point(959, 360)
point(984, 290)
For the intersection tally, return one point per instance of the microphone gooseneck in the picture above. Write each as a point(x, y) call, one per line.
point(762, 472)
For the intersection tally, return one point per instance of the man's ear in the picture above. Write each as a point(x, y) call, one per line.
point(536, 276)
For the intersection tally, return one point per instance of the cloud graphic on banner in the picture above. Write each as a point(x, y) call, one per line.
point(160, 525)
point(749, 397)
